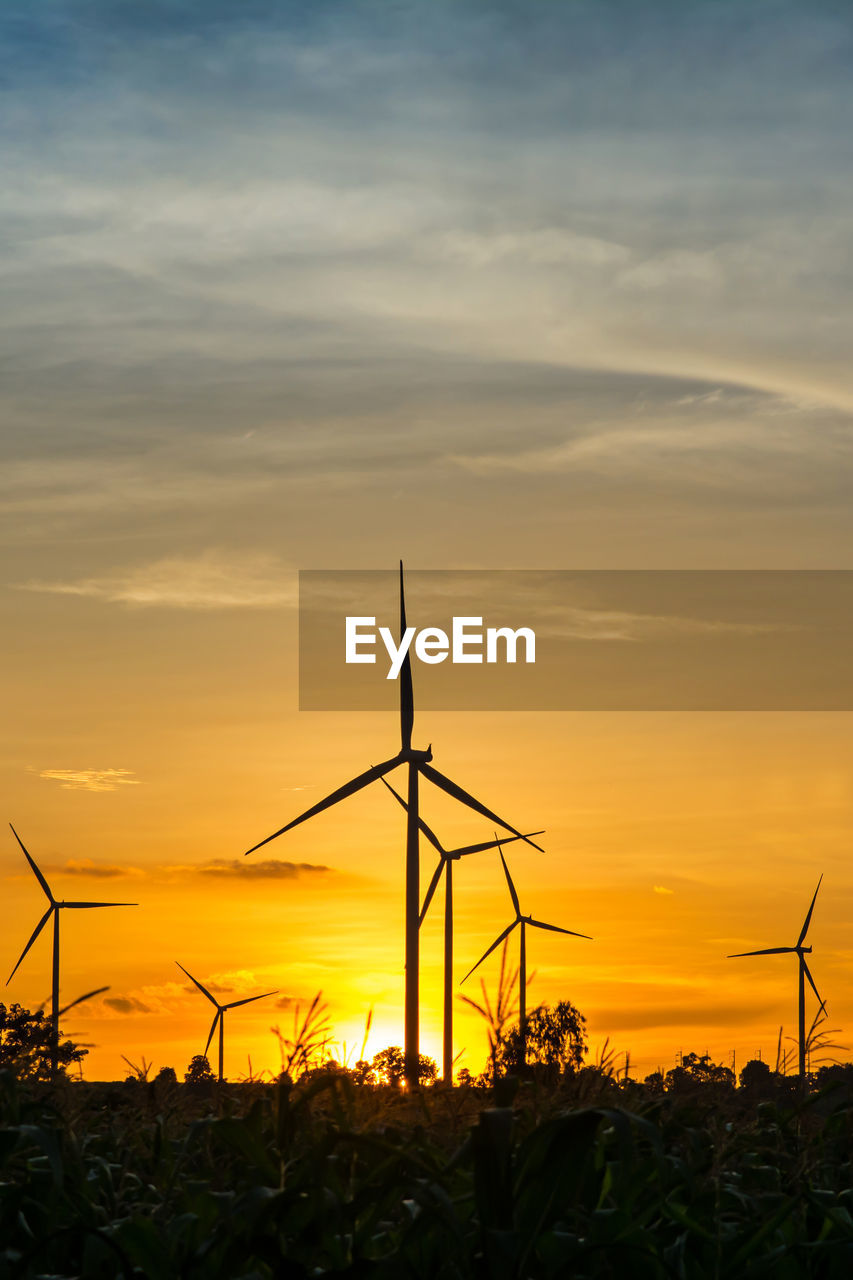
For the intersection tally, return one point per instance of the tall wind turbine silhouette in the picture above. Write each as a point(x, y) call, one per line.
point(219, 1017)
point(447, 857)
point(418, 764)
point(521, 921)
point(804, 974)
point(53, 910)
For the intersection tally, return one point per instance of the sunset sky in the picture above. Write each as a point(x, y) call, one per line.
point(479, 285)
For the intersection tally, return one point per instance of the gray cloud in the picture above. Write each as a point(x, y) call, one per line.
point(126, 1004)
point(247, 256)
point(95, 870)
point(264, 869)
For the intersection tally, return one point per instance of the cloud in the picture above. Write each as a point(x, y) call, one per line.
point(127, 1004)
point(519, 210)
point(213, 580)
point(615, 624)
point(95, 870)
point(542, 247)
point(91, 779)
point(239, 982)
point(217, 868)
point(673, 268)
point(218, 988)
point(659, 888)
point(266, 869)
point(163, 999)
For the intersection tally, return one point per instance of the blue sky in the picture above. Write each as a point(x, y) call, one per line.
point(521, 252)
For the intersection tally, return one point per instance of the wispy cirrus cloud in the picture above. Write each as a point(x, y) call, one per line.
point(91, 779)
point(621, 625)
point(212, 580)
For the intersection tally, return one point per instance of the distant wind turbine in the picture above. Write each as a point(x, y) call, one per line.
point(54, 909)
point(221, 1010)
point(521, 921)
point(447, 857)
point(418, 763)
point(804, 974)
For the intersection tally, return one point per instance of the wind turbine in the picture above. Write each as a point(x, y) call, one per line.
point(521, 921)
point(447, 857)
point(804, 973)
point(53, 909)
point(219, 1017)
point(418, 764)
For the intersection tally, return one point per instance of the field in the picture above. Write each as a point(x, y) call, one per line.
point(585, 1176)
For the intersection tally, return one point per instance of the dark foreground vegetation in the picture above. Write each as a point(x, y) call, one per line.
point(544, 1166)
point(581, 1175)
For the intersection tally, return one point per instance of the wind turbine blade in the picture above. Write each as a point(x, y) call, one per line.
point(768, 951)
point(35, 934)
point(555, 928)
point(98, 904)
point(489, 844)
point(808, 918)
point(212, 1029)
point(348, 789)
point(88, 996)
point(452, 789)
point(200, 987)
point(497, 942)
point(430, 893)
point(31, 861)
point(407, 697)
point(430, 835)
point(236, 1003)
point(512, 892)
point(808, 974)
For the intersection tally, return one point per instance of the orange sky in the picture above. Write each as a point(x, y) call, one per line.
point(671, 838)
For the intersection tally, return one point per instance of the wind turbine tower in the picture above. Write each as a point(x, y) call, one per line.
point(54, 908)
point(521, 922)
point(417, 764)
point(219, 1017)
point(803, 975)
point(447, 857)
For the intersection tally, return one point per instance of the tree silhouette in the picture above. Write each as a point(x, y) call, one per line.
point(199, 1072)
point(26, 1041)
point(555, 1042)
point(696, 1070)
point(389, 1066)
point(756, 1077)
